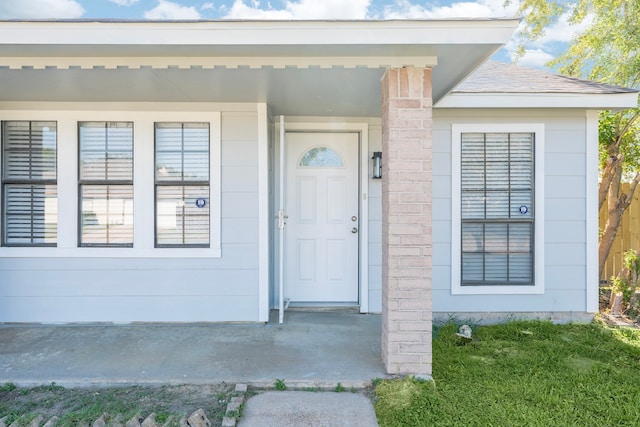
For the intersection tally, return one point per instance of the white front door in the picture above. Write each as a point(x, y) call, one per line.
point(321, 253)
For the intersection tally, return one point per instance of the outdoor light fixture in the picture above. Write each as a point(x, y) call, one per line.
point(377, 165)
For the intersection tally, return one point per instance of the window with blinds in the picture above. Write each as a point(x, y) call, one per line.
point(182, 184)
point(106, 183)
point(497, 208)
point(29, 178)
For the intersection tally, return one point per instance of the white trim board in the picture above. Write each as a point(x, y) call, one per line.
point(264, 252)
point(591, 209)
point(456, 249)
point(612, 101)
point(272, 36)
point(336, 125)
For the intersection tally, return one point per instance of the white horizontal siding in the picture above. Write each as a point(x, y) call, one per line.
point(95, 289)
point(239, 205)
point(564, 186)
point(553, 300)
point(556, 163)
point(375, 226)
point(139, 283)
point(569, 209)
point(238, 153)
point(565, 231)
point(441, 209)
point(125, 309)
point(236, 256)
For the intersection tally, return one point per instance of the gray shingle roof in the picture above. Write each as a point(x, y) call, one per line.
point(499, 77)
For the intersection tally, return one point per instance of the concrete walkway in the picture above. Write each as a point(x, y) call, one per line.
point(292, 409)
point(308, 350)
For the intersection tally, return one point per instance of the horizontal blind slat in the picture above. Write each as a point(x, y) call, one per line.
point(106, 151)
point(182, 151)
point(29, 150)
point(179, 219)
point(107, 214)
point(30, 214)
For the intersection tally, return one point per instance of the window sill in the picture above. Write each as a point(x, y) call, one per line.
point(87, 252)
point(538, 289)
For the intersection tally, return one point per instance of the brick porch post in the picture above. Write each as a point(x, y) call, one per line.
point(406, 221)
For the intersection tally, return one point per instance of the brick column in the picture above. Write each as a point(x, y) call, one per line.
point(406, 221)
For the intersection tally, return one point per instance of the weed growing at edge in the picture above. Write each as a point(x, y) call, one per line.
point(7, 387)
point(279, 384)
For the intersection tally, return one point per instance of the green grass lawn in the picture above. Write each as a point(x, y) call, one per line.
point(522, 374)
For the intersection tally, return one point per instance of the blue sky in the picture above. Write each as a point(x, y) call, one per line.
point(537, 54)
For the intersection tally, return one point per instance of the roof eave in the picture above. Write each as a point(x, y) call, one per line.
point(600, 101)
point(452, 47)
point(258, 33)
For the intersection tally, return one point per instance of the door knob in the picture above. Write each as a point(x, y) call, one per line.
point(354, 230)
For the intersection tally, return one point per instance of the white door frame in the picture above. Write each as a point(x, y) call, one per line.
point(363, 200)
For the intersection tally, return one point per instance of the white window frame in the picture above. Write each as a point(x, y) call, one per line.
point(106, 183)
point(182, 183)
point(143, 184)
point(6, 182)
point(456, 213)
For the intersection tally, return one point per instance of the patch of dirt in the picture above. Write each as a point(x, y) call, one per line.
point(624, 319)
point(604, 297)
point(621, 320)
point(75, 405)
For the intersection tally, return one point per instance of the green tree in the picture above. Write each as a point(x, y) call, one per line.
point(608, 51)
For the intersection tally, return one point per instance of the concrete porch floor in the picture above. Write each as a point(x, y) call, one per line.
point(311, 349)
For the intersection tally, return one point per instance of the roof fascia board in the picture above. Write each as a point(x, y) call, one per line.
point(613, 101)
point(257, 33)
point(45, 106)
point(213, 62)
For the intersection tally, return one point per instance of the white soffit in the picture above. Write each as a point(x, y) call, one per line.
point(91, 58)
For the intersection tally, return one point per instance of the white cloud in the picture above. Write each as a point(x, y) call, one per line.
point(40, 9)
point(404, 9)
point(124, 2)
point(302, 9)
point(239, 10)
point(170, 10)
point(536, 53)
point(535, 58)
point(550, 45)
point(562, 31)
point(329, 9)
point(208, 6)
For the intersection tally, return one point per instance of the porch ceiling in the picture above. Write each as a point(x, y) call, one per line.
point(313, 91)
point(325, 68)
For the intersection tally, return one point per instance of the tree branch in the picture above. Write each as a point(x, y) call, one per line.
point(607, 177)
point(632, 189)
point(632, 119)
point(613, 194)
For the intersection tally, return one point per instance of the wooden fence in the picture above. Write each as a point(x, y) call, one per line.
point(628, 236)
